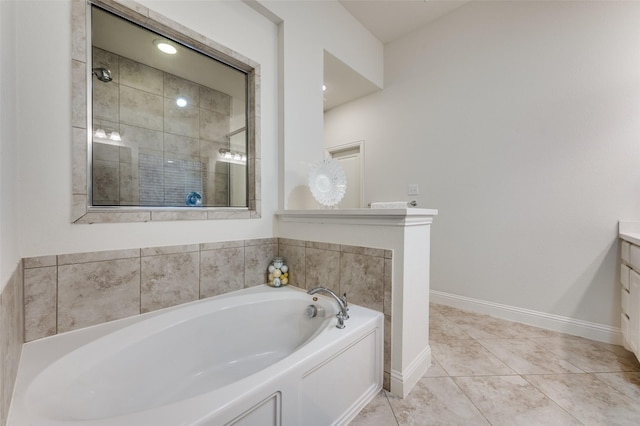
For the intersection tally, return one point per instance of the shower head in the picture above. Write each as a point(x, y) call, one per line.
point(102, 74)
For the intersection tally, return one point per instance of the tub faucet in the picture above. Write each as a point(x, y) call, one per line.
point(342, 304)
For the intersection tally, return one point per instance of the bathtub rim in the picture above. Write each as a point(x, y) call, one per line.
point(70, 370)
point(33, 360)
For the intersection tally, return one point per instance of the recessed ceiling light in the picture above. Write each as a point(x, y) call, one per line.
point(324, 88)
point(181, 102)
point(165, 47)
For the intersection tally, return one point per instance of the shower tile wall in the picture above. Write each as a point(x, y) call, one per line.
point(166, 151)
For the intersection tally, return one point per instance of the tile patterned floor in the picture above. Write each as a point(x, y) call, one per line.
point(488, 371)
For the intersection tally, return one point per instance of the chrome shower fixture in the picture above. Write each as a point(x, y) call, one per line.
point(102, 74)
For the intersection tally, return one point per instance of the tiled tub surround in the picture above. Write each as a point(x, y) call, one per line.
point(166, 151)
point(71, 291)
point(11, 326)
point(361, 272)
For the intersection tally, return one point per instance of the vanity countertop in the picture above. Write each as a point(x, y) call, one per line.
point(629, 230)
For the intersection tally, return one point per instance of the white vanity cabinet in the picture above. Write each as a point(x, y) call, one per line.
point(630, 292)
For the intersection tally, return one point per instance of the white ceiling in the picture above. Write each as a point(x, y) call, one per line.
point(389, 20)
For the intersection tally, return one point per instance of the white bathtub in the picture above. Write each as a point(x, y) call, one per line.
point(250, 357)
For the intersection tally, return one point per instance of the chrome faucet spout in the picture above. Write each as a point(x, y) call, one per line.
point(342, 304)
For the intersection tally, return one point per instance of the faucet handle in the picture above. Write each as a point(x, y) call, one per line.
point(346, 304)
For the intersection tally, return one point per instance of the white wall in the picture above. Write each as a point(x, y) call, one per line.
point(520, 121)
point(309, 28)
point(44, 135)
point(9, 253)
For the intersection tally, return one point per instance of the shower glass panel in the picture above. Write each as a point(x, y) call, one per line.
point(168, 123)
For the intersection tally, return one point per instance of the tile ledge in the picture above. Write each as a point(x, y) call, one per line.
point(389, 217)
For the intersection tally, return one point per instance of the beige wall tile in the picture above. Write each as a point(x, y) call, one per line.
point(78, 94)
point(155, 251)
point(387, 283)
point(323, 246)
point(39, 261)
point(40, 293)
point(176, 87)
point(260, 241)
point(215, 101)
point(79, 35)
point(105, 152)
point(221, 271)
point(106, 100)
point(322, 269)
point(221, 189)
point(11, 338)
point(222, 244)
point(142, 77)
point(106, 179)
point(169, 280)
point(367, 251)
point(387, 343)
point(129, 184)
point(256, 262)
point(97, 256)
point(79, 153)
point(110, 217)
point(257, 179)
point(229, 214)
point(142, 109)
point(294, 257)
point(213, 125)
point(180, 215)
point(256, 213)
point(142, 138)
point(291, 242)
point(361, 277)
point(97, 292)
point(185, 121)
point(182, 145)
point(78, 207)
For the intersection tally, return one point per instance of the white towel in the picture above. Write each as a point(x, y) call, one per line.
point(389, 205)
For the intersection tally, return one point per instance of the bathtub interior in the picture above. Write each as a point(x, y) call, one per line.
point(177, 359)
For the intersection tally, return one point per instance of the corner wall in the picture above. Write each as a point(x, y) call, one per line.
point(520, 123)
point(9, 253)
point(44, 114)
point(11, 305)
point(308, 29)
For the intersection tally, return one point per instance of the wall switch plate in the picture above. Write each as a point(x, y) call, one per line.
point(413, 189)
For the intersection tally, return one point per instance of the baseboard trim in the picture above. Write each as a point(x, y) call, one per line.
point(586, 329)
point(401, 382)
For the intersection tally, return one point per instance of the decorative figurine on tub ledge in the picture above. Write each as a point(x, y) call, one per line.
point(278, 273)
